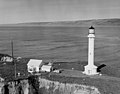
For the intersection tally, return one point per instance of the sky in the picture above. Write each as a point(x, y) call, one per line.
point(20, 11)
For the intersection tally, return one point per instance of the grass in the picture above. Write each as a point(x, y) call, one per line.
point(7, 70)
point(79, 65)
point(104, 86)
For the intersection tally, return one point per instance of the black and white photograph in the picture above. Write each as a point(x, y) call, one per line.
point(59, 46)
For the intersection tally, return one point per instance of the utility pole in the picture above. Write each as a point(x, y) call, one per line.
point(13, 58)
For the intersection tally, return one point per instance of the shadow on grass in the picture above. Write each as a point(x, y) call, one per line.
point(100, 67)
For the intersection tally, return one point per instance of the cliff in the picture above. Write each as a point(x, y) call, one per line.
point(54, 87)
point(38, 85)
point(61, 85)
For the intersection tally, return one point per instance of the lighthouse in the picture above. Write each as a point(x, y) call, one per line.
point(91, 69)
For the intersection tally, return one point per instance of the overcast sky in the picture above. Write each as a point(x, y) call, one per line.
point(19, 11)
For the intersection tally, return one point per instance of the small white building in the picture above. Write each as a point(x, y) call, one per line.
point(34, 65)
point(1, 79)
point(6, 59)
point(46, 68)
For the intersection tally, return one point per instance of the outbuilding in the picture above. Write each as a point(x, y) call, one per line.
point(6, 58)
point(34, 65)
point(46, 68)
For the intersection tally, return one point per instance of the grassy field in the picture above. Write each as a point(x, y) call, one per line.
point(105, 84)
point(7, 70)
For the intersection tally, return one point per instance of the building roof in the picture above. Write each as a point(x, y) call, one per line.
point(4, 55)
point(34, 62)
point(91, 27)
point(46, 66)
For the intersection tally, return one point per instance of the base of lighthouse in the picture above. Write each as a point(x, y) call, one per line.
point(90, 70)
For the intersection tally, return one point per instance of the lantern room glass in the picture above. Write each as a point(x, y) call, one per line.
point(91, 30)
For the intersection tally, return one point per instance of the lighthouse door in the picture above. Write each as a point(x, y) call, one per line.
point(89, 71)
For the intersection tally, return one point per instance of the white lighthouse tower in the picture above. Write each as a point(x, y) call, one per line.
point(91, 69)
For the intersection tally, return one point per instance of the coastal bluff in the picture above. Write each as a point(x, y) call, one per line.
point(38, 85)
